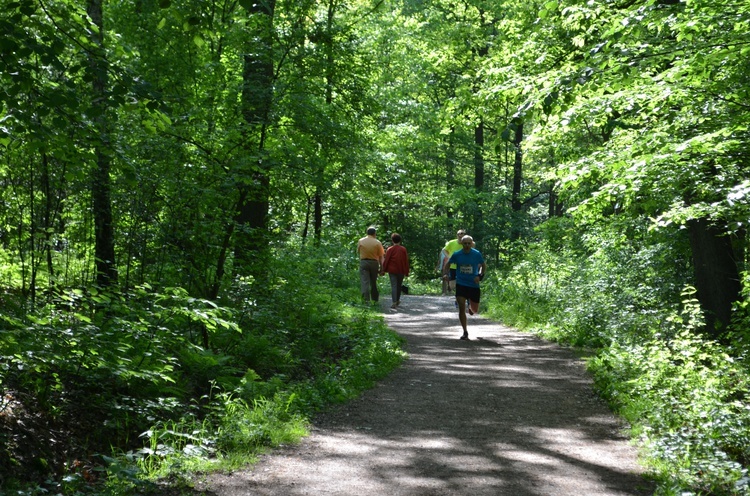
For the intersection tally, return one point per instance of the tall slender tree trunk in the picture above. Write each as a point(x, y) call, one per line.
point(306, 229)
point(516, 204)
point(716, 275)
point(221, 262)
point(318, 215)
point(48, 209)
point(101, 188)
point(517, 167)
point(32, 233)
point(257, 94)
point(450, 178)
point(554, 207)
point(330, 73)
point(478, 179)
point(478, 217)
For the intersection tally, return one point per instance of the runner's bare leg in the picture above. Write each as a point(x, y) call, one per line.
point(462, 313)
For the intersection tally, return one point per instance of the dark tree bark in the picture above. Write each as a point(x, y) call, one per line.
point(552, 204)
point(478, 179)
point(257, 95)
point(516, 204)
point(101, 188)
point(48, 209)
point(554, 207)
point(318, 216)
point(221, 263)
point(330, 72)
point(717, 278)
point(517, 167)
point(479, 157)
point(450, 177)
point(33, 229)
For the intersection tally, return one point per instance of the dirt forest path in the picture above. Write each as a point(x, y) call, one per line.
point(504, 413)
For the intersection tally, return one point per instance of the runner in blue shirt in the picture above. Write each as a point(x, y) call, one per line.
point(470, 269)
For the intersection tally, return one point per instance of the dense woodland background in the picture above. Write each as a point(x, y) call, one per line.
point(184, 183)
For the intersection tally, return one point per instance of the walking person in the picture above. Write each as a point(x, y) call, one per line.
point(371, 254)
point(470, 270)
point(439, 268)
point(396, 264)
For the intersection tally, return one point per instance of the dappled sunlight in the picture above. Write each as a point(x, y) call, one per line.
point(504, 413)
point(512, 391)
point(482, 461)
point(497, 409)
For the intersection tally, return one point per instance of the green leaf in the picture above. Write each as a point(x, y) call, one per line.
point(28, 9)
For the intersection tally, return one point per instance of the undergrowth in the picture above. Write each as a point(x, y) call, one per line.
point(111, 393)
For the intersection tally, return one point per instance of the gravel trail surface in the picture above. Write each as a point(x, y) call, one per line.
point(505, 413)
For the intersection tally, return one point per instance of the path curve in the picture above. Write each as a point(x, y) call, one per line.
point(504, 413)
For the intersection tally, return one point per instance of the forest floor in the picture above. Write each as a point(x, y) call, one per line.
point(505, 413)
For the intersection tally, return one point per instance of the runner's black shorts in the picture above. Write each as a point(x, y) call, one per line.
point(469, 293)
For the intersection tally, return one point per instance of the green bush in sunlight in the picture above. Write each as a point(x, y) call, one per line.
point(247, 428)
point(590, 291)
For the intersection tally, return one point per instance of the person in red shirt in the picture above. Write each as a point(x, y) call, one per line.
point(396, 263)
point(370, 262)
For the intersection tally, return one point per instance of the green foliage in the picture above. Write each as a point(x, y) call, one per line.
point(611, 284)
point(686, 398)
point(247, 429)
point(518, 292)
point(108, 372)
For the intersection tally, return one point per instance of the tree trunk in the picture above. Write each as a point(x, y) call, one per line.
point(450, 178)
point(517, 177)
point(32, 234)
point(554, 207)
point(478, 179)
point(221, 263)
point(251, 221)
point(330, 72)
point(716, 275)
point(306, 229)
point(104, 235)
point(517, 167)
point(48, 209)
point(257, 94)
point(318, 215)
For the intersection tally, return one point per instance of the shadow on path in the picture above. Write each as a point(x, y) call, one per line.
point(504, 413)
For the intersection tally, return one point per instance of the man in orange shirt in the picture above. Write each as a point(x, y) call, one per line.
point(371, 254)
